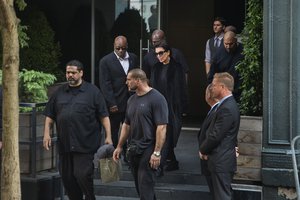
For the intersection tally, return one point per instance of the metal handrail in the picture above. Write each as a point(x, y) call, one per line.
point(295, 166)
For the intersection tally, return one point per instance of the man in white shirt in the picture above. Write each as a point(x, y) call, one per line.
point(214, 42)
point(113, 69)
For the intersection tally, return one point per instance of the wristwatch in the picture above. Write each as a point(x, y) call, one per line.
point(156, 153)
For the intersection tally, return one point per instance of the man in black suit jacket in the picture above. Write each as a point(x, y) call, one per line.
point(212, 102)
point(226, 59)
point(113, 69)
point(221, 137)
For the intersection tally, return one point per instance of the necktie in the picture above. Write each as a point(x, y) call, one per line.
point(216, 44)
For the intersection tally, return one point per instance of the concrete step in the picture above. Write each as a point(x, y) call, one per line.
point(105, 198)
point(164, 191)
point(185, 183)
point(114, 198)
point(168, 191)
point(177, 177)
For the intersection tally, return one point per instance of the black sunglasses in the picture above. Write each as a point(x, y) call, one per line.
point(160, 53)
point(119, 48)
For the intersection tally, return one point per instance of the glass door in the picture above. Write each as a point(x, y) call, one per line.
point(135, 19)
point(139, 18)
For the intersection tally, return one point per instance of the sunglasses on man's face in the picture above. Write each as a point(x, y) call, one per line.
point(119, 48)
point(160, 53)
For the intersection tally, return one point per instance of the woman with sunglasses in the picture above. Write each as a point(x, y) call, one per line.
point(168, 78)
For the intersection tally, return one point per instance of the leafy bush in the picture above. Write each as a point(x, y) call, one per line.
point(33, 85)
point(251, 68)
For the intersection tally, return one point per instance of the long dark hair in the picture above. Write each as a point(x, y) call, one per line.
point(163, 44)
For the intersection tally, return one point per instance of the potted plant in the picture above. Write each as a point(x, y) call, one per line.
point(251, 71)
point(33, 93)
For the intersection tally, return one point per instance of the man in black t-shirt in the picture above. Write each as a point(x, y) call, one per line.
point(145, 126)
point(77, 108)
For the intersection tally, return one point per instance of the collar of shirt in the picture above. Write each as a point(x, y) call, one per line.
point(122, 59)
point(124, 62)
point(215, 105)
point(82, 87)
point(213, 108)
point(220, 37)
point(224, 98)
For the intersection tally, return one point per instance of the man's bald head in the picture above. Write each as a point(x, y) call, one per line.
point(230, 28)
point(120, 38)
point(157, 37)
point(230, 41)
point(230, 34)
point(120, 46)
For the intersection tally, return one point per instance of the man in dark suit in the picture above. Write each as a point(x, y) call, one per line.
point(221, 137)
point(226, 59)
point(113, 69)
point(212, 102)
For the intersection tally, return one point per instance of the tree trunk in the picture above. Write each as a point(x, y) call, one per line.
point(10, 181)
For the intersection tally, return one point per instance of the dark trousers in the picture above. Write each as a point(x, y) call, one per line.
point(143, 174)
point(209, 183)
point(115, 120)
point(76, 170)
point(222, 185)
point(168, 154)
point(205, 171)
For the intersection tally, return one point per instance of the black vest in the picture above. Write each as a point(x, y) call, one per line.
point(212, 47)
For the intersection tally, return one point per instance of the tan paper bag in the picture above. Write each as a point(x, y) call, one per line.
point(110, 171)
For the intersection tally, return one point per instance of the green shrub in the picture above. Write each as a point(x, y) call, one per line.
point(251, 68)
point(33, 86)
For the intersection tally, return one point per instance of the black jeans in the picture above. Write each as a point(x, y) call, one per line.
point(144, 177)
point(76, 170)
point(115, 120)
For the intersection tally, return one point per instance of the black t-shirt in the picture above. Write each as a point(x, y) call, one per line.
point(144, 114)
point(162, 79)
point(77, 113)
